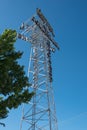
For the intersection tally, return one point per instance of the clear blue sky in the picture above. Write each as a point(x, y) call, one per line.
point(69, 20)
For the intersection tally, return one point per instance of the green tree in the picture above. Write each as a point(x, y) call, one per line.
point(13, 80)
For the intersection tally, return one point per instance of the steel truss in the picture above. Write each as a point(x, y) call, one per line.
point(40, 114)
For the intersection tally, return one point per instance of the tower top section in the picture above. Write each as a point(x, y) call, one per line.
point(40, 23)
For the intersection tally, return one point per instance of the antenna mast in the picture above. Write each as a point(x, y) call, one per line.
point(40, 113)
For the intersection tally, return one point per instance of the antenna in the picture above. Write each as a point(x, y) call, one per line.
point(40, 113)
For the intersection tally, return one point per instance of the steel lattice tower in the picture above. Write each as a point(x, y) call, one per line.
point(40, 114)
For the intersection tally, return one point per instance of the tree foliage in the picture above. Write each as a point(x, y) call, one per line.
point(13, 80)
